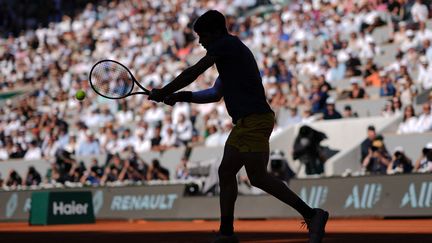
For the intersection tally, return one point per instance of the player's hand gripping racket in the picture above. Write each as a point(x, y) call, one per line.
point(113, 80)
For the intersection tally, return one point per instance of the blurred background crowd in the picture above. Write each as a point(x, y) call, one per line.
point(305, 49)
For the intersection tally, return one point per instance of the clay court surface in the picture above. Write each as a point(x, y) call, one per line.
point(338, 230)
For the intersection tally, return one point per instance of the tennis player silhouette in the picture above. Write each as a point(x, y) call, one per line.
point(240, 84)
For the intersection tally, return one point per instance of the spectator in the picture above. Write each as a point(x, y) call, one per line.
point(19, 152)
point(405, 90)
point(76, 172)
point(93, 174)
point(72, 145)
point(410, 42)
point(388, 109)
point(423, 34)
point(182, 171)
point(126, 140)
point(397, 106)
point(400, 162)
point(111, 174)
point(428, 50)
point(348, 113)
point(367, 143)
point(27, 60)
point(424, 121)
point(183, 129)
point(156, 140)
point(157, 172)
point(317, 99)
point(419, 12)
point(14, 179)
point(293, 118)
point(377, 159)
point(141, 144)
point(356, 91)
point(307, 116)
point(307, 149)
point(331, 113)
point(214, 137)
point(424, 163)
point(50, 146)
point(33, 177)
point(89, 147)
point(424, 76)
point(409, 122)
point(4, 155)
point(170, 139)
point(387, 88)
point(34, 152)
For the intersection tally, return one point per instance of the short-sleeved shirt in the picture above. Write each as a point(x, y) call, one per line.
point(242, 87)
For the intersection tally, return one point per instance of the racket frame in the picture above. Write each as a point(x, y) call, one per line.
point(145, 91)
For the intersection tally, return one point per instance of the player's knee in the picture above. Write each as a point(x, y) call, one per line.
point(224, 174)
point(256, 180)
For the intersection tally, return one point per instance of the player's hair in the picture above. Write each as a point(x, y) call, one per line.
point(210, 21)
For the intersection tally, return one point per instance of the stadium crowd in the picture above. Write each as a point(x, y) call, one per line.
point(304, 50)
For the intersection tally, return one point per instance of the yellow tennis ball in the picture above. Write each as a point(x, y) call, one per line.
point(80, 95)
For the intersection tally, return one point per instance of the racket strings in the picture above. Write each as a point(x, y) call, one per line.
point(111, 79)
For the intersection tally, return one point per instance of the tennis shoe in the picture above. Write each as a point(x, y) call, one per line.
point(316, 225)
point(220, 238)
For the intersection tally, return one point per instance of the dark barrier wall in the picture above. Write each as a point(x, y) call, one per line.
point(387, 196)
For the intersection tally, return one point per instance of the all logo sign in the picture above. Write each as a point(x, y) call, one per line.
point(98, 200)
point(11, 205)
point(364, 197)
point(315, 197)
point(418, 199)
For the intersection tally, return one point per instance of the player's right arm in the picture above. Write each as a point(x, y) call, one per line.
point(210, 95)
point(183, 79)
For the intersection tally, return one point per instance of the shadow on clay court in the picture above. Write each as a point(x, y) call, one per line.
point(204, 237)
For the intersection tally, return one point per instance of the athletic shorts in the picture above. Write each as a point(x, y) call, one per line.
point(252, 133)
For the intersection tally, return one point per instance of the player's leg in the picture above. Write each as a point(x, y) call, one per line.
point(228, 169)
point(256, 168)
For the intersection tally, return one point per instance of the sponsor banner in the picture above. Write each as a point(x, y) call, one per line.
point(391, 196)
point(387, 196)
point(66, 207)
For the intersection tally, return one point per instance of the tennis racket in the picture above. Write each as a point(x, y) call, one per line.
point(113, 80)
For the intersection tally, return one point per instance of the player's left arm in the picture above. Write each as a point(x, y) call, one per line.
point(210, 95)
point(183, 79)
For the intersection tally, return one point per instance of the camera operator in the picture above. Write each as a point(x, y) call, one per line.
point(308, 150)
point(424, 163)
point(14, 179)
point(33, 177)
point(157, 171)
point(377, 160)
point(63, 163)
point(400, 163)
point(279, 166)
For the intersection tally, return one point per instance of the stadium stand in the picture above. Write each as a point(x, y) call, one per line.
point(298, 45)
